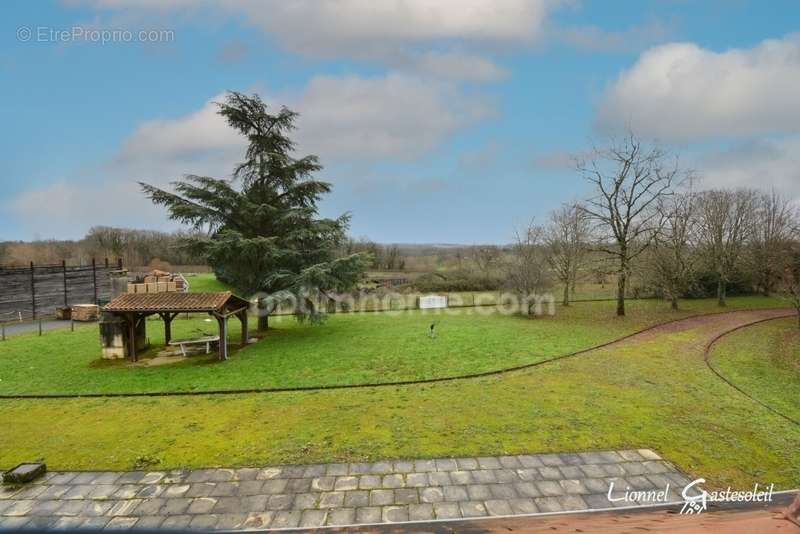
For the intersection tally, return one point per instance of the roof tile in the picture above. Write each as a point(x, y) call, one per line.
point(172, 302)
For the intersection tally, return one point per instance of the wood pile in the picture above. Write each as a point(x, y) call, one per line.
point(85, 312)
point(158, 282)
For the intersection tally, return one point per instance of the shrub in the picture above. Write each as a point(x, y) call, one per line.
point(460, 280)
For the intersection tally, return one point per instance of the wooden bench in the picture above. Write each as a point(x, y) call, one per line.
point(207, 340)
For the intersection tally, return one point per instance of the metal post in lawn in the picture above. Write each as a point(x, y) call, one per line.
point(40, 327)
point(3, 328)
point(71, 324)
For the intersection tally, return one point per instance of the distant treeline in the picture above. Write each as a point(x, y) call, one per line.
point(145, 247)
point(136, 247)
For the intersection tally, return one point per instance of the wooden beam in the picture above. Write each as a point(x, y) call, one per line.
point(243, 319)
point(234, 312)
point(167, 318)
point(223, 337)
point(131, 336)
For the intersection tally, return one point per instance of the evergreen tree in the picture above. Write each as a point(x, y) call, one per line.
point(261, 229)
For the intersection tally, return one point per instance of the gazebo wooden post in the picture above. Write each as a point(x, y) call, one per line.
point(167, 318)
point(222, 320)
point(167, 329)
point(131, 336)
point(243, 319)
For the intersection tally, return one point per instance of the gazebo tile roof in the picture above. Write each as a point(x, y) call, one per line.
point(173, 302)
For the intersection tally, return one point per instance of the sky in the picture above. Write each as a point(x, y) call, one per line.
point(449, 121)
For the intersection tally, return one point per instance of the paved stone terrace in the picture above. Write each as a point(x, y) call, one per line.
point(335, 494)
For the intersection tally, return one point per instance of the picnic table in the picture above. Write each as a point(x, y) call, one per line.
point(207, 340)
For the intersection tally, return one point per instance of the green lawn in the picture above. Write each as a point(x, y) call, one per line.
point(653, 392)
point(205, 283)
point(764, 360)
point(348, 349)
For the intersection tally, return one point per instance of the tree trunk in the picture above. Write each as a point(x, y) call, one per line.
point(263, 316)
point(675, 302)
point(531, 310)
point(566, 294)
point(721, 292)
point(622, 282)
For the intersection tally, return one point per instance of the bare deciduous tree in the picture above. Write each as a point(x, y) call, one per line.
point(726, 222)
point(772, 233)
point(566, 238)
point(629, 179)
point(527, 273)
point(790, 280)
point(486, 258)
point(673, 255)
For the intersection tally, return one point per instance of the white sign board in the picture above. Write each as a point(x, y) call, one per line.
point(432, 301)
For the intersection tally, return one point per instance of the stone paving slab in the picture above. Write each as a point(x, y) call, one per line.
point(339, 494)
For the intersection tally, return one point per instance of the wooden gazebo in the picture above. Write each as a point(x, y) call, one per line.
point(136, 307)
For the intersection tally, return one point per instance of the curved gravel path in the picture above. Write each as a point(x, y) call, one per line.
point(714, 325)
point(707, 357)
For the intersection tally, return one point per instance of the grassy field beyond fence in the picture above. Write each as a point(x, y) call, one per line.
point(388, 299)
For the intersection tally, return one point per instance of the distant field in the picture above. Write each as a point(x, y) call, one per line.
point(401, 299)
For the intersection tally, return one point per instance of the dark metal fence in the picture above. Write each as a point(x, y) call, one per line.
point(38, 290)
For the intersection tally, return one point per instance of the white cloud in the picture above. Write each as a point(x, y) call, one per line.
point(395, 116)
point(765, 164)
point(181, 140)
point(69, 209)
point(325, 27)
point(108, 193)
point(426, 37)
point(679, 92)
point(321, 28)
point(349, 118)
point(455, 66)
point(352, 119)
